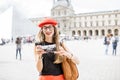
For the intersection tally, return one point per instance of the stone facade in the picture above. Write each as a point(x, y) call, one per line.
point(95, 24)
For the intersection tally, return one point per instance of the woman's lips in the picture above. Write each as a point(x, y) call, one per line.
point(48, 33)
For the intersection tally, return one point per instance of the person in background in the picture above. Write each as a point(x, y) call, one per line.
point(18, 48)
point(107, 43)
point(46, 50)
point(11, 39)
point(114, 40)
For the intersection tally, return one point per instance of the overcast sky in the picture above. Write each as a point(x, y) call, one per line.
point(38, 8)
point(42, 8)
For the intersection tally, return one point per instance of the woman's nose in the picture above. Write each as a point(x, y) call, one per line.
point(47, 29)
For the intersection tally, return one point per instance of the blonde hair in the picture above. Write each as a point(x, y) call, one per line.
point(55, 37)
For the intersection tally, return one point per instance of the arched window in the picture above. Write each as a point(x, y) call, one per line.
point(85, 33)
point(96, 32)
point(109, 31)
point(90, 32)
point(103, 32)
point(73, 33)
point(116, 31)
point(79, 33)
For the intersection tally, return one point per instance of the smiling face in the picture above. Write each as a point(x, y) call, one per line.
point(48, 30)
point(49, 33)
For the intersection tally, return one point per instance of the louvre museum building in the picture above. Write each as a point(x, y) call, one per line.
point(93, 24)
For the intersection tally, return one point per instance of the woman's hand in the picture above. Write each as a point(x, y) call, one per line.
point(63, 52)
point(39, 50)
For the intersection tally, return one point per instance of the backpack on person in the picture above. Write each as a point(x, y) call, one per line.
point(105, 40)
point(115, 40)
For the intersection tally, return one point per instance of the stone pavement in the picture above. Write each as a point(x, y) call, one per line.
point(12, 69)
point(94, 64)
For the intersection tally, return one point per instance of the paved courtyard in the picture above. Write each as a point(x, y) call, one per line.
point(94, 64)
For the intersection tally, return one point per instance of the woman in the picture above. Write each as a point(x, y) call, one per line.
point(47, 49)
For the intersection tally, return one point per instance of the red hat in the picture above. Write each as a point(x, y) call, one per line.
point(48, 21)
